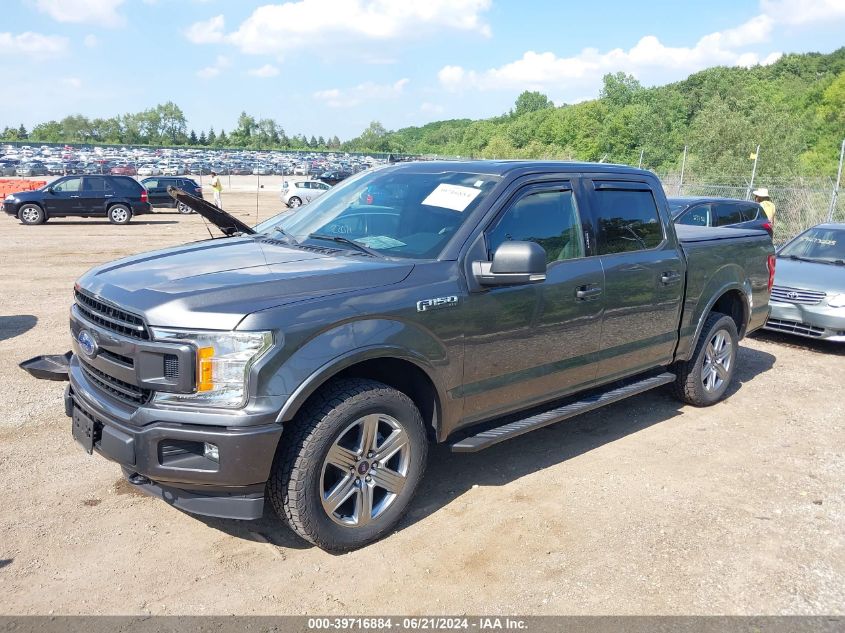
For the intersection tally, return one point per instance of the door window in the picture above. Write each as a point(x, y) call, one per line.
point(698, 215)
point(94, 184)
point(151, 184)
point(549, 218)
point(69, 185)
point(727, 213)
point(749, 212)
point(627, 219)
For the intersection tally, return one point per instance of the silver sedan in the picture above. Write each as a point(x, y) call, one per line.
point(295, 193)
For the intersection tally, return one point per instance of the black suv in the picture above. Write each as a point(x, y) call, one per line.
point(115, 197)
point(156, 187)
point(738, 214)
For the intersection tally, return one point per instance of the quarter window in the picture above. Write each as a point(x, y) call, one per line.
point(627, 220)
point(549, 218)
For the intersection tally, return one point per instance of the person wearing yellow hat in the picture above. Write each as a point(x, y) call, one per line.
point(761, 196)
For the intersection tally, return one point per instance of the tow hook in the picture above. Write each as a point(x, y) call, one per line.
point(138, 480)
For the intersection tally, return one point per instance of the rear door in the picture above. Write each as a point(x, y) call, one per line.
point(727, 214)
point(93, 195)
point(643, 275)
point(157, 191)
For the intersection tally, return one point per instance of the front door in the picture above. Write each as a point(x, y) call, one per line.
point(63, 198)
point(530, 343)
point(157, 192)
point(644, 276)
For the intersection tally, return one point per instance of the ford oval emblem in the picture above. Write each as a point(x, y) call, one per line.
point(87, 344)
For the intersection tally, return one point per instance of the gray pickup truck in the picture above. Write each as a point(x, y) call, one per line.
point(310, 360)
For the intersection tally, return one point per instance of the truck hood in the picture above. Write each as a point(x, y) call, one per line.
point(793, 273)
point(216, 283)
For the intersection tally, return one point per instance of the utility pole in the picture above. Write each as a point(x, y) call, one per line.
point(835, 195)
point(753, 174)
point(640, 165)
point(683, 168)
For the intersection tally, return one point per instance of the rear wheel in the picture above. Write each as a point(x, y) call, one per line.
point(704, 379)
point(348, 467)
point(31, 214)
point(294, 202)
point(120, 214)
point(183, 208)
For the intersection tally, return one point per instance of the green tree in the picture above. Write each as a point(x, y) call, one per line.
point(202, 140)
point(22, 133)
point(211, 139)
point(531, 101)
point(619, 89)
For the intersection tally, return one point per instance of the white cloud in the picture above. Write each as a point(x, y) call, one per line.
point(90, 41)
point(33, 44)
point(267, 70)
point(206, 31)
point(279, 28)
point(367, 91)
point(209, 72)
point(100, 12)
point(72, 82)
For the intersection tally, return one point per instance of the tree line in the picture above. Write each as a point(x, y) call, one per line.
point(165, 124)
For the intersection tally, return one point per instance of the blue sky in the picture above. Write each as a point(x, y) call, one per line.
point(327, 67)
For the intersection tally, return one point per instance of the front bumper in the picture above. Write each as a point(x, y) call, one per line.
point(164, 457)
point(818, 321)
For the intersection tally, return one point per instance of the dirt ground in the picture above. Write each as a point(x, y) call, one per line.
point(646, 507)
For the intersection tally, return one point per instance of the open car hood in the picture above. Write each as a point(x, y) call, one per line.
point(226, 222)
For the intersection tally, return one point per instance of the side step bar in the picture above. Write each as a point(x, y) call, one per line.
point(488, 438)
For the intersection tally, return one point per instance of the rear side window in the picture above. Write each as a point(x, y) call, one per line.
point(549, 218)
point(127, 186)
point(750, 212)
point(727, 214)
point(94, 183)
point(627, 218)
point(151, 184)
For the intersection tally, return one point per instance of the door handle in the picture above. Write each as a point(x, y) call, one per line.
point(74, 196)
point(670, 277)
point(586, 293)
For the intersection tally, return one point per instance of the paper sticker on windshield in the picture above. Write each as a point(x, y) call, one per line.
point(380, 242)
point(453, 197)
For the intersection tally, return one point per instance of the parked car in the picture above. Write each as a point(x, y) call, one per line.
point(173, 169)
point(55, 169)
point(704, 211)
point(116, 197)
point(8, 169)
point(311, 367)
point(157, 191)
point(334, 176)
point(299, 192)
point(123, 170)
point(149, 170)
point(31, 169)
point(808, 296)
point(262, 170)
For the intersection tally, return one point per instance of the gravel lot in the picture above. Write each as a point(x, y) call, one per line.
point(646, 507)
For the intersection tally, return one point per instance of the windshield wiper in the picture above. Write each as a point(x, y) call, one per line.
point(804, 259)
point(345, 240)
point(291, 239)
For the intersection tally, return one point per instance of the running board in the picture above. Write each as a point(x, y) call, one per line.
point(488, 438)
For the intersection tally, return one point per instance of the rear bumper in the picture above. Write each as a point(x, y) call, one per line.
point(818, 322)
point(165, 459)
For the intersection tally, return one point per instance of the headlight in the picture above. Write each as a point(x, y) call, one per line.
point(836, 301)
point(223, 362)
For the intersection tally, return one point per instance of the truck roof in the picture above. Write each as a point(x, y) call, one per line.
point(504, 167)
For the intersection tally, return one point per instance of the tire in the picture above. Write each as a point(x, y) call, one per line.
point(119, 214)
point(183, 208)
point(31, 214)
point(294, 202)
point(703, 380)
point(329, 490)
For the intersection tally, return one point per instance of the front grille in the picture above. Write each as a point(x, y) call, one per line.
point(171, 366)
point(117, 358)
point(117, 388)
point(797, 295)
point(794, 327)
point(111, 317)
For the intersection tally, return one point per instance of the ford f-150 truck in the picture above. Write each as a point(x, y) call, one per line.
point(311, 360)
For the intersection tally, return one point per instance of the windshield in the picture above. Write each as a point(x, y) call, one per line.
point(390, 212)
point(817, 244)
point(675, 206)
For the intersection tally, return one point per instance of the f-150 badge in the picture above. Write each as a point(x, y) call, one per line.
point(435, 304)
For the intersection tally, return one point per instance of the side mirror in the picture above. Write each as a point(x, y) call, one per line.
point(50, 189)
point(513, 263)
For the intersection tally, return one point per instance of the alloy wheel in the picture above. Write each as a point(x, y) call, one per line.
point(718, 359)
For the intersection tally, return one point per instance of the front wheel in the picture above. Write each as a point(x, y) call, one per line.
point(345, 472)
point(31, 214)
point(294, 202)
point(183, 208)
point(704, 379)
point(119, 214)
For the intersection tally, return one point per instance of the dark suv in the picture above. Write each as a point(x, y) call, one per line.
point(156, 187)
point(738, 214)
point(116, 197)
